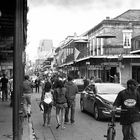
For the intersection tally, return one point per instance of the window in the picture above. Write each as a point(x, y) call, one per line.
point(127, 36)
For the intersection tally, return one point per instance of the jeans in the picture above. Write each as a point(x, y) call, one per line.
point(131, 131)
point(4, 94)
point(136, 130)
point(71, 107)
point(126, 130)
point(27, 104)
point(37, 88)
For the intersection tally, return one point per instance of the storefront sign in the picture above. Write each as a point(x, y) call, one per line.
point(95, 67)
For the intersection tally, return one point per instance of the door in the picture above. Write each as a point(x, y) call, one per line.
point(136, 73)
point(90, 98)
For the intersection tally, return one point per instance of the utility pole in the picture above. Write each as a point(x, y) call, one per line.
point(18, 67)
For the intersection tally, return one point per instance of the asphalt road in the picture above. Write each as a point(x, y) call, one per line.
point(85, 127)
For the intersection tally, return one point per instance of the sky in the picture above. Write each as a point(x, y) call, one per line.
point(57, 19)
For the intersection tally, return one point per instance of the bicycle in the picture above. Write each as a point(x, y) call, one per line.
point(111, 132)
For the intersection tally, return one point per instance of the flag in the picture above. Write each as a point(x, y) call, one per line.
point(76, 53)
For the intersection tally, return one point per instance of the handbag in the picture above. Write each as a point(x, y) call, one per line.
point(41, 106)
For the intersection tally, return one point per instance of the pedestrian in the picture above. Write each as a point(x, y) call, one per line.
point(4, 81)
point(60, 102)
point(37, 85)
point(71, 91)
point(92, 80)
point(11, 91)
point(86, 82)
point(27, 91)
point(116, 79)
point(47, 101)
point(129, 100)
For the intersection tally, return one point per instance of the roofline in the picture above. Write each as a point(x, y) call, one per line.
point(126, 12)
point(136, 51)
point(108, 22)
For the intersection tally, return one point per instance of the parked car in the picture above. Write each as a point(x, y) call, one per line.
point(80, 84)
point(98, 99)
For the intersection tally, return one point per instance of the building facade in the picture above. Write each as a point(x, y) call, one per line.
point(45, 46)
point(105, 51)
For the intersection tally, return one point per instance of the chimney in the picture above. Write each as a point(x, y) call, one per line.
point(107, 18)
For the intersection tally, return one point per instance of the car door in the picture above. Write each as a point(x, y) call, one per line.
point(91, 98)
point(86, 97)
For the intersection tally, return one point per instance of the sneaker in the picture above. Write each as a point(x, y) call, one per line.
point(57, 126)
point(29, 115)
point(49, 125)
point(72, 122)
point(66, 122)
point(63, 127)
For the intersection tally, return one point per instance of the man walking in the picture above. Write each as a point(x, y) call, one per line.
point(4, 87)
point(129, 100)
point(37, 85)
point(71, 91)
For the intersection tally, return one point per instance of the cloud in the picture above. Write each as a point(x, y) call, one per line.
point(76, 3)
point(62, 3)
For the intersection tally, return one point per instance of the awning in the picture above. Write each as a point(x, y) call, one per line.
point(81, 41)
point(106, 35)
point(135, 52)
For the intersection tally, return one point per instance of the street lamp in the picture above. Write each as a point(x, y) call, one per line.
point(87, 64)
point(74, 66)
point(120, 57)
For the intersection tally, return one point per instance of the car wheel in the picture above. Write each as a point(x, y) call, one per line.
point(82, 106)
point(96, 112)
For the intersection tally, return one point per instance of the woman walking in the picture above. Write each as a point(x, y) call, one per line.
point(47, 101)
point(60, 102)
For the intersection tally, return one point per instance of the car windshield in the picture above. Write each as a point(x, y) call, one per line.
point(109, 88)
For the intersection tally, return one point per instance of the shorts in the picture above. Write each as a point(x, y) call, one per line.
point(61, 105)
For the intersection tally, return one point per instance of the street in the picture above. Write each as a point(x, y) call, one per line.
point(85, 127)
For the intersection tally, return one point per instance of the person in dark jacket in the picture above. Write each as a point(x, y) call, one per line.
point(4, 87)
point(60, 102)
point(71, 91)
point(129, 100)
point(37, 85)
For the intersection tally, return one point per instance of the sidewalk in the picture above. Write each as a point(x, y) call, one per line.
point(5, 121)
point(41, 133)
point(33, 129)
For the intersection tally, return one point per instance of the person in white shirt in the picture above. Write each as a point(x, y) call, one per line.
point(47, 100)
